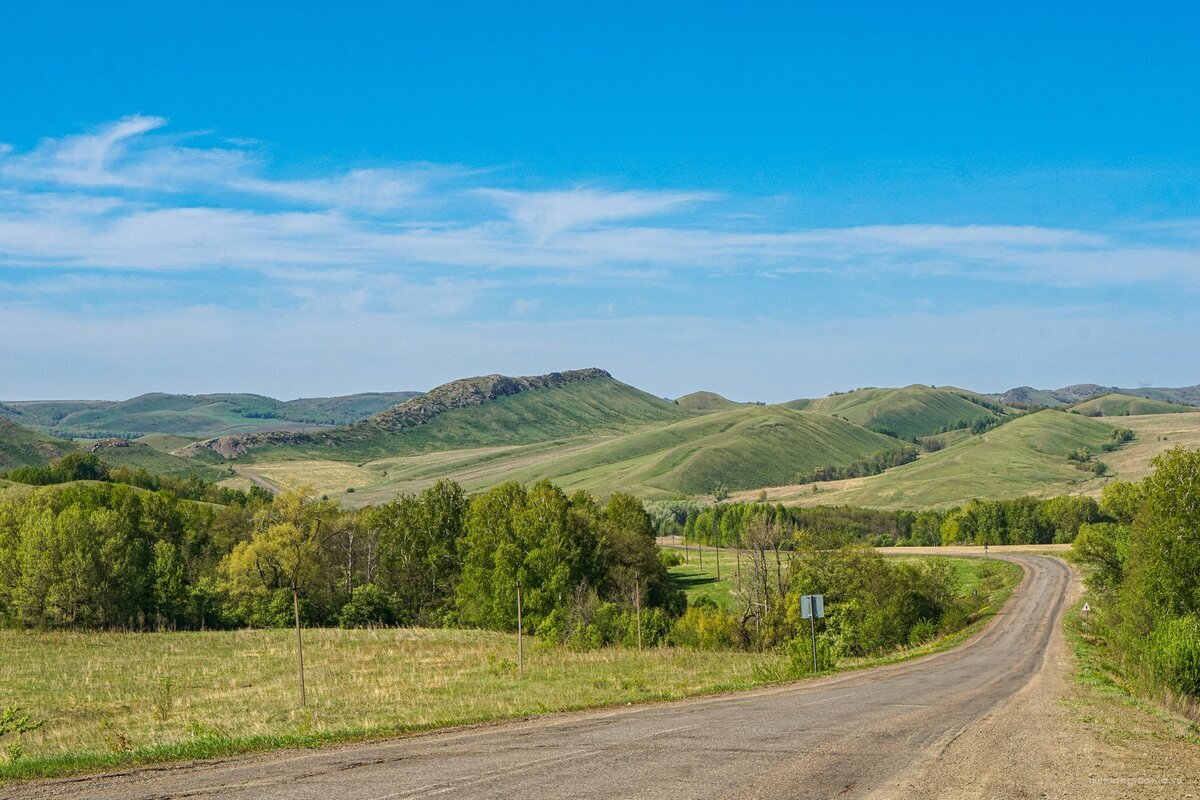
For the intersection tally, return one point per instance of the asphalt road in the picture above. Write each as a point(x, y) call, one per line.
point(843, 736)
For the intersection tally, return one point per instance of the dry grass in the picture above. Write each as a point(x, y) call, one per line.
point(110, 697)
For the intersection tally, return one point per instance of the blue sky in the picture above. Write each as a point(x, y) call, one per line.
point(771, 202)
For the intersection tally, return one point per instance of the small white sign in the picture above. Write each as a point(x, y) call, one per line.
point(1086, 608)
point(812, 605)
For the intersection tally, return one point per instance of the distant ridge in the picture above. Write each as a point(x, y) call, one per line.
point(196, 416)
point(1027, 396)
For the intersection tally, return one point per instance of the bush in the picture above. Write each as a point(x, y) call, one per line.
point(670, 558)
point(705, 627)
point(368, 607)
point(800, 656)
point(1174, 652)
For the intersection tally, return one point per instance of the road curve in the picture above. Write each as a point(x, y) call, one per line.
point(843, 736)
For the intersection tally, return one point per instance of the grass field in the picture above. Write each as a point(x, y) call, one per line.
point(110, 698)
point(114, 699)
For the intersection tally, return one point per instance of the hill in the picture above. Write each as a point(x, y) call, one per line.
point(909, 412)
point(742, 448)
point(23, 447)
point(1027, 397)
point(1027, 456)
point(705, 402)
point(126, 453)
point(195, 416)
point(488, 411)
point(1123, 405)
point(748, 446)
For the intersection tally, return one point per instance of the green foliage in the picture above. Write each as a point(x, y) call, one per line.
point(872, 604)
point(1142, 570)
point(566, 554)
point(875, 464)
point(706, 627)
point(370, 606)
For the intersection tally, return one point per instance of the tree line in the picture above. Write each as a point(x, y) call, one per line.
point(103, 554)
point(1142, 564)
point(1023, 520)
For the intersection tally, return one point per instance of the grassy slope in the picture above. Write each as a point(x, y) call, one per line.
point(911, 411)
point(743, 448)
point(1123, 405)
point(1025, 456)
point(749, 446)
point(139, 454)
point(705, 402)
point(22, 447)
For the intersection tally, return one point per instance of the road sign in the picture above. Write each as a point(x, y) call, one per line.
point(810, 603)
point(1086, 608)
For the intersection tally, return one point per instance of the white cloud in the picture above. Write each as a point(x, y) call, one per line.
point(129, 196)
point(544, 214)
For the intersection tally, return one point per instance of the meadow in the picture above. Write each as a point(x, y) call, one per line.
point(112, 699)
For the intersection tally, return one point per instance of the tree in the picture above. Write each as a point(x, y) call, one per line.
point(285, 553)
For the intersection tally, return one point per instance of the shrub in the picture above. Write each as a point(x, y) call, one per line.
point(368, 607)
point(705, 627)
point(1174, 653)
point(800, 656)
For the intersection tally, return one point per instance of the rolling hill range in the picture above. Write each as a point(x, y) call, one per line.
point(1027, 456)
point(194, 416)
point(748, 446)
point(1027, 396)
point(907, 413)
point(586, 430)
point(1123, 405)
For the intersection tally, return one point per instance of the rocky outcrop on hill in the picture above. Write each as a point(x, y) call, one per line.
point(413, 412)
point(472, 392)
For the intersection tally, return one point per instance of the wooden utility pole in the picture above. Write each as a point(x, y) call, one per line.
point(520, 637)
point(637, 604)
point(717, 539)
point(299, 643)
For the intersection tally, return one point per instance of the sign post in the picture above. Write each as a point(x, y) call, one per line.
point(1086, 609)
point(812, 606)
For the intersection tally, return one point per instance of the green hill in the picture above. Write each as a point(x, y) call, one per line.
point(125, 453)
point(1123, 405)
point(489, 411)
point(23, 447)
point(909, 412)
point(1025, 456)
point(195, 416)
point(705, 402)
point(747, 447)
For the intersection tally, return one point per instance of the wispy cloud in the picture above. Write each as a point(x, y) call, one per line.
point(132, 196)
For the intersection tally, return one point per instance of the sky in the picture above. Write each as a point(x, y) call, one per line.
point(767, 200)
